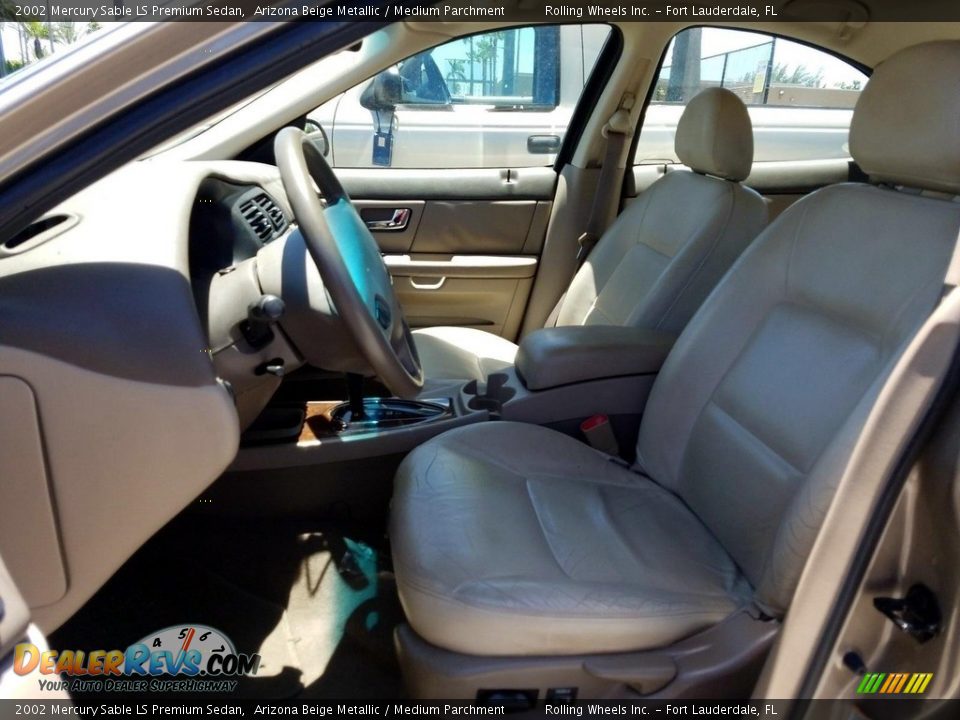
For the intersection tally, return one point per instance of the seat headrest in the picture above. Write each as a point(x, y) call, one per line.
point(906, 125)
point(715, 136)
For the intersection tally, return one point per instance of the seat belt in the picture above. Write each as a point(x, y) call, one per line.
point(616, 132)
point(606, 198)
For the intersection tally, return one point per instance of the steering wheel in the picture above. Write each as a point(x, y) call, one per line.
point(349, 262)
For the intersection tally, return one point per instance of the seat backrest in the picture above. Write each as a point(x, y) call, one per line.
point(755, 412)
point(665, 253)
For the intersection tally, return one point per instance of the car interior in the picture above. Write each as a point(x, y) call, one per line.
point(595, 424)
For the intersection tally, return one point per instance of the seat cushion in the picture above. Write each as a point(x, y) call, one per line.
point(458, 353)
point(512, 539)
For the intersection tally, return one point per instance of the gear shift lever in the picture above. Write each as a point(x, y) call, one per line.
point(355, 395)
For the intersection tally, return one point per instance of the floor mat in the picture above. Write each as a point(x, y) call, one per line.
point(318, 605)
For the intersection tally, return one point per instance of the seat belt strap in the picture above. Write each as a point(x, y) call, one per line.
point(555, 313)
point(606, 198)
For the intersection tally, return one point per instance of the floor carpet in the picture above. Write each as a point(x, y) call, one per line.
point(319, 604)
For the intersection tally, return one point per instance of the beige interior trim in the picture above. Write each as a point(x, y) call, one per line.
point(910, 389)
point(468, 266)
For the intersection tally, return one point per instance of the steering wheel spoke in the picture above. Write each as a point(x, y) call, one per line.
point(349, 262)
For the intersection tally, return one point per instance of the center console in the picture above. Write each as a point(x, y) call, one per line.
point(339, 455)
point(562, 376)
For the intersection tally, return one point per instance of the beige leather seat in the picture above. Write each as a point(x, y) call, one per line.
point(655, 265)
point(511, 539)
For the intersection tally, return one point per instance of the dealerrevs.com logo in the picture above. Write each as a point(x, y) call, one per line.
point(181, 658)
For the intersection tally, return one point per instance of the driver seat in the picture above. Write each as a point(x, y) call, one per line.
point(658, 261)
point(515, 541)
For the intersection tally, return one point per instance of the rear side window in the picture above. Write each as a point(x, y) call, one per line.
point(800, 99)
point(497, 99)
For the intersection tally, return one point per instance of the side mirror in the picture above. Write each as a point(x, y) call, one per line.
point(384, 92)
point(316, 133)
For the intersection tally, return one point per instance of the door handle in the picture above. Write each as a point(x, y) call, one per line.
point(427, 285)
point(395, 223)
point(543, 144)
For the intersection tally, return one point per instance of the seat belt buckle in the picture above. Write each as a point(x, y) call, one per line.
point(599, 434)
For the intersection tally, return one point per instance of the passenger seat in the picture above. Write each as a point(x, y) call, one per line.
point(661, 258)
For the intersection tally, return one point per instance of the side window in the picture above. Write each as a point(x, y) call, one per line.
point(800, 99)
point(498, 99)
point(510, 69)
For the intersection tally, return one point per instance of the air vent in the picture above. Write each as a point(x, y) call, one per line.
point(264, 216)
point(273, 211)
point(37, 232)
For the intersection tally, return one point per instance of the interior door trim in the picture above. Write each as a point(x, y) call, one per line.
point(462, 266)
point(530, 183)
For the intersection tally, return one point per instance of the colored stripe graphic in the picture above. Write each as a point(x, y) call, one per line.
point(894, 683)
point(891, 681)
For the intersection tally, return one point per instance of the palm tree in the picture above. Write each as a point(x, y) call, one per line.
point(800, 75)
point(37, 32)
point(456, 74)
point(8, 9)
point(66, 32)
point(484, 52)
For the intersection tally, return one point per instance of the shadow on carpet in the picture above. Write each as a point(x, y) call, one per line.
point(318, 604)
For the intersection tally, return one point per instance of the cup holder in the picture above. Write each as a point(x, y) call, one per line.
point(490, 396)
point(385, 413)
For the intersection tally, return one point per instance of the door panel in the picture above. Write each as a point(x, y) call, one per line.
point(475, 225)
point(470, 246)
point(488, 292)
point(492, 304)
point(474, 267)
point(797, 177)
point(449, 155)
point(528, 183)
point(392, 241)
point(781, 183)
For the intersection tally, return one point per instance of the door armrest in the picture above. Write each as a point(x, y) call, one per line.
point(556, 356)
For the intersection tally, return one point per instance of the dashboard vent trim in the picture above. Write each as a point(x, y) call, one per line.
point(263, 216)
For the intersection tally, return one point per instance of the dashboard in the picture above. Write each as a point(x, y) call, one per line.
point(125, 372)
point(234, 221)
point(153, 274)
point(247, 259)
point(230, 224)
point(117, 410)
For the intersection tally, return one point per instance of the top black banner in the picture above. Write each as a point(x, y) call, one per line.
point(694, 11)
